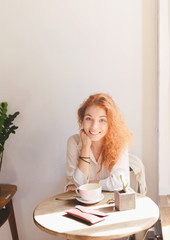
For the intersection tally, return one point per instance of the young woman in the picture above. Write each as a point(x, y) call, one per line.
point(100, 152)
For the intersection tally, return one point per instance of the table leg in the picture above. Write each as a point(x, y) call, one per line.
point(12, 222)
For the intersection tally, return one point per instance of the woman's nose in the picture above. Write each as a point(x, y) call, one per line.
point(94, 125)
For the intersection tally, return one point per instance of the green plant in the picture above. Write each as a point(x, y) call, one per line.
point(6, 127)
point(123, 183)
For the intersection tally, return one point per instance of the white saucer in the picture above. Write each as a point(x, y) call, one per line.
point(90, 202)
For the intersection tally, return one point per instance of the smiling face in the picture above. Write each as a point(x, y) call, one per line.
point(95, 122)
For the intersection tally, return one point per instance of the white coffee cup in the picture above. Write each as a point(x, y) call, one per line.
point(89, 191)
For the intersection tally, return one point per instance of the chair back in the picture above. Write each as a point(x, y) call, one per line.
point(137, 174)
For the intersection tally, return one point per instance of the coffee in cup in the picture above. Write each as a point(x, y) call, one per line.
point(89, 191)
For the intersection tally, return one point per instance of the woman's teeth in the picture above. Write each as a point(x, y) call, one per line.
point(94, 133)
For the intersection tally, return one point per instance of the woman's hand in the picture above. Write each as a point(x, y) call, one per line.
point(70, 188)
point(86, 141)
point(94, 181)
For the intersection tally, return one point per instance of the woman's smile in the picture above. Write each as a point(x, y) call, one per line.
point(94, 133)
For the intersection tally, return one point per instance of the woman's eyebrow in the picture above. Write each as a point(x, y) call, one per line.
point(87, 114)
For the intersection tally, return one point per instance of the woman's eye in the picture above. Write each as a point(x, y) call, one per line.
point(102, 120)
point(88, 118)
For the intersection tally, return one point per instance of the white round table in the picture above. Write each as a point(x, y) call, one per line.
point(50, 217)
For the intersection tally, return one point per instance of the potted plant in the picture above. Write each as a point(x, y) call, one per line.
point(125, 199)
point(6, 127)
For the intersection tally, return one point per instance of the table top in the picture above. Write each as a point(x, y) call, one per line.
point(50, 217)
point(7, 191)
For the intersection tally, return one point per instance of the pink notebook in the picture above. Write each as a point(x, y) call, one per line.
point(89, 215)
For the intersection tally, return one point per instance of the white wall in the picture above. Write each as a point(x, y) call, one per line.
point(53, 55)
point(164, 97)
point(150, 95)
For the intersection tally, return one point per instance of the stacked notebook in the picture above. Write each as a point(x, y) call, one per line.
point(87, 214)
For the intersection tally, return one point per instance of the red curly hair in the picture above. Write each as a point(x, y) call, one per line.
point(118, 135)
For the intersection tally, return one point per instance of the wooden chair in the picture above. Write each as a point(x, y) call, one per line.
point(7, 192)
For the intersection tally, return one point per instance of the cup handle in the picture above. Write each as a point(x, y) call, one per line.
point(77, 191)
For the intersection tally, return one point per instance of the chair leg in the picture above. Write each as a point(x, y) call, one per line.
point(132, 237)
point(12, 222)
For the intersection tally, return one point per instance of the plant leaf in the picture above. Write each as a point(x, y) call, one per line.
point(6, 127)
point(3, 111)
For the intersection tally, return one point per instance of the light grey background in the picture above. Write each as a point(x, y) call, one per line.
point(53, 54)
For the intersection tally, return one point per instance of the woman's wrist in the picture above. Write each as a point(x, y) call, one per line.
point(85, 159)
point(85, 148)
point(85, 151)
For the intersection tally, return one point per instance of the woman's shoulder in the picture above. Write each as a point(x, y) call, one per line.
point(74, 139)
